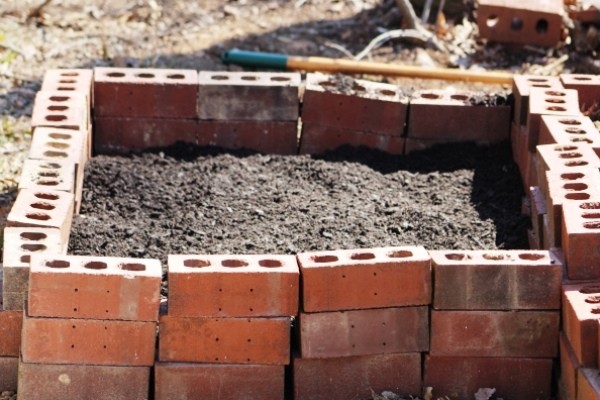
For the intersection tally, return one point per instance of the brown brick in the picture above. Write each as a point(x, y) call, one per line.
point(94, 287)
point(225, 340)
point(587, 86)
point(568, 367)
point(513, 378)
point(270, 137)
point(218, 381)
point(253, 96)
point(581, 238)
point(365, 278)
point(233, 286)
point(9, 367)
point(588, 384)
point(11, 323)
point(496, 280)
point(145, 93)
point(357, 377)
point(68, 381)
point(364, 332)
point(68, 80)
point(88, 341)
point(567, 130)
point(522, 84)
point(580, 315)
point(494, 333)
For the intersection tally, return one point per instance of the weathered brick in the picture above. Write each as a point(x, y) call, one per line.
point(88, 341)
point(588, 384)
point(9, 367)
point(587, 86)
point(567, 130)
point(118, 135)
point(565, 157)
point(218, 381)
point(256, 96)
point(94, 287)
point(357, 377)
point(580, 315)
point(68, 80)
point(11, 323)
point(354, 105)
point(233, 286)
point(364, 332)
point(225, 340)
point(145, 93)
point(365, 278)
point(522, 84)
point(513, 378)
point(439, 114)
point(68, 381)
point(58, 109)
point(581, 239)
point(568, 367)
point(317, 139)
point(494, 333)
point(270, 137)
point(496, 280)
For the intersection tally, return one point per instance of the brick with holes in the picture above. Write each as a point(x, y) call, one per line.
point(580, 238)
point(587, 86)
point(522, 84)
point(568, 367)
point(263, 341)
point(88, 341)
point(356, 377)
point(50, 381)
point(588, 384)
point(145, 93)
point(19, 245)
point(68, 80)
point(218, 381)
point(233, 286)
point(94, 287)
point(513, 378)
point(581, 310)
point(496, 280)
point(269, 137)
point(560, 102)
point(536, 23)
point(568, 130)
point(61, 110)
point(365, 278)
point(316, 139)
point(354, 105)
point(488, 122)
point(252, 96)
point(565, 157)
point(494, 333)
point(362, 332)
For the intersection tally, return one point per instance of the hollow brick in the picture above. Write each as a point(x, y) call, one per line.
point(522, 84)
point(568, 130)
point(587, 86)
point(588, 384)
point(568, 367)
point(58, 109)
point(580, 320)
point(580, 238)
point(68, 80)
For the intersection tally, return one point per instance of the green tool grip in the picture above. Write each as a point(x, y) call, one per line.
point(255, 59)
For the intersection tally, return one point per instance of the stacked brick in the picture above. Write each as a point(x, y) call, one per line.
point(89, 328)
point(252, 110)
point(226, 333)
point(10, 341)
point(340, 111)
point(364, 322)
point(494, 323)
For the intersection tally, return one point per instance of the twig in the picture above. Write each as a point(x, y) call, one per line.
point(339, 48)
point(426, 11)
point(37, 12)
point(412, 34)
point(410, 21)
point(13, 49)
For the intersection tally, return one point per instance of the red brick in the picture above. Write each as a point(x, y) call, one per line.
point(560, 102)
point(522, 84)
point(225, 340)
point(587, 86)
point(567, 130)
point(568, 367)
point(354, 105)
point(494, 333)
point(365, 278)
point(537, 23)
point(513, 378)
point(496, 280)
point(9, 367)
point(61, 110)
point(88, 341)
point(67, 381)
point(317, 139)
point(10, 333)
point(565, 157)
point(253, 96)
point(357, 377)
point(145, 93)
point(94, 287)
point(588, 384)
point(43, 209)
point(443, 115)
point(233, 286)
point(218, 381)
point(581, 239)
point(68, 80)
point(19, 245)
point(364, 332)
point(270, 137)
point(121, 135)
point(581, 313)
point(538, 210)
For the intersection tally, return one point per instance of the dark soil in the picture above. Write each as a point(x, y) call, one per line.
point(195, 201)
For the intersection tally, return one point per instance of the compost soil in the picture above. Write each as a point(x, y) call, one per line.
point(185, 200)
